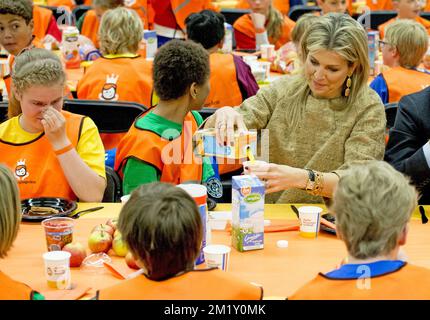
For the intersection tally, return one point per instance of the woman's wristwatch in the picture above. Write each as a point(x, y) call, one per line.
point(315, 182)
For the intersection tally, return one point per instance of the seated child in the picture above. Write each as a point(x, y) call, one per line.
point(287, 57)
point(10, 217)
point(282, 5)
point(121, 73)
point(53, 153)
point(328, 6)
point(406, 9)
point(373, 204)
point(231, 79)
point(16, 31)
point(158, 147)
point(264, 25)
point(89, 23)
point(404, 46)
point(167, 256)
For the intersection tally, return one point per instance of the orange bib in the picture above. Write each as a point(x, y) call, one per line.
point(401, 81)
point(141, 8)
point(410, 282)
point(13, 290)
point(42, 18)
point(225, 89)
point(175, 159)
point(35, 165)
point(90, 27)
point(210, 284)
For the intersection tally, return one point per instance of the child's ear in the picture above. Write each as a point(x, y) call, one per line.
point(31, 25)
point(193, 90)
point(16, 94)
point(404, 235)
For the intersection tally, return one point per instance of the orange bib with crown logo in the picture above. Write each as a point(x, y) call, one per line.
point(35, 165)
point(172, 157)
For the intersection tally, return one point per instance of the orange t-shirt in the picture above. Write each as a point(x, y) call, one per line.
point(90, 27)
point(13, 290)
point(42, 18)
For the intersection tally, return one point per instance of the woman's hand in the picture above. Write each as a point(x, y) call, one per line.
point(277, 177)
point(54, 125)
point(227, 121)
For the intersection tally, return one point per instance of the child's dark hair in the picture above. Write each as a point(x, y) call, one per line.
point(206, 27)
point(177, 65)
point(162, 227)
point(21, 8)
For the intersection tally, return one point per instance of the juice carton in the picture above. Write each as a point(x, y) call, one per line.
point(373, 45)
point(208, 146)
point(151, 43)
point(247, 213)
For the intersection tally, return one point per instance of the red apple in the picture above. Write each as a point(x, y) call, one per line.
point(129, 259)
point(100, 241)
point(104, 227)
point(77, 251)
point(113, 222)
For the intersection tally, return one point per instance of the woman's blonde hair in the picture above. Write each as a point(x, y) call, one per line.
point(275, 23)
point(372, 203)
point(338, 33)
point(410, 39)
point(34, 67)
point(120, 31)
point(10, 210)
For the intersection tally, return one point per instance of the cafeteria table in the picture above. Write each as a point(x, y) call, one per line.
point(281, 271)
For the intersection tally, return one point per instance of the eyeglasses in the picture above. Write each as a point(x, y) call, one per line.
point(382, 44)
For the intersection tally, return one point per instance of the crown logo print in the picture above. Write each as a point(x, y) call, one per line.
point(21, 172)
point(112, 79)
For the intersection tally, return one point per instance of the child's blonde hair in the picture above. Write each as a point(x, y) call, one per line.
point(34, 67)
point(304, 22)
point(275, 23)
point(10, 210)
point(120, 31)
point(410, 39)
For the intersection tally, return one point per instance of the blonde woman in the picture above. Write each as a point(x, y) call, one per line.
point(10, 217)
point(121, 73)
point(320, 121)
point(403, 48)
point(263, 26)
point(373, 204)
point(52, 153)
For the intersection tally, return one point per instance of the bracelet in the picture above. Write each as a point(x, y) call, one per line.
point(315, 182)
point(64, 150)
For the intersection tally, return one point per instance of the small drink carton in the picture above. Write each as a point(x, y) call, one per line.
point(247, 213)
point(151, 43)
point(373, 45)
point(208, 146)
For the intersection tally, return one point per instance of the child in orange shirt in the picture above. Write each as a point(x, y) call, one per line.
point(10, 213)
point(264, 25)
point(166, 257)
point(328, 6)
point(379, 5)
point(404, 46)
point(406, 9)
point(373, 204)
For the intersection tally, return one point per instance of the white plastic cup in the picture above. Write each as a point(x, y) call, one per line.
point(267, 51)
point(57, 269)
point(217, 256)
point(199, 193)
point(249, 59)
point(309, 221)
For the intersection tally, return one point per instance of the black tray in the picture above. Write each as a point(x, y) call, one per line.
point(64, 206)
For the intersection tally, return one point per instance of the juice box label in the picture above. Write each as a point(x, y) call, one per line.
point(247, 213)
point(208, 146)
